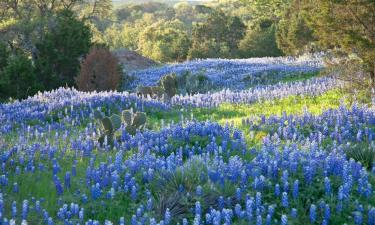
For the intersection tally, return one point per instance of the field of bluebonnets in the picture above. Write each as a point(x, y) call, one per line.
point(271, 143)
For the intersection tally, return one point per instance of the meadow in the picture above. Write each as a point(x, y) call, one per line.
point(271, 143)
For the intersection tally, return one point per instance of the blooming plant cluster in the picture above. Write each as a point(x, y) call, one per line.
point(235, 74)
point(306, 169)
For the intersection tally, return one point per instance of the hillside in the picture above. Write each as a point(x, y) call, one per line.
point(281, 146)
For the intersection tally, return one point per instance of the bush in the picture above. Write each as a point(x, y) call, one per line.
point(99, 71)
point(18, 78)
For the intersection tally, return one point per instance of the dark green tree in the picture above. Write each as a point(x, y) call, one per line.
point(4, 54)
point(60, 51)
point(18, 78)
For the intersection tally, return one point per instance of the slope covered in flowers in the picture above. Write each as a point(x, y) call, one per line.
point(190, 165)
point(236, 74)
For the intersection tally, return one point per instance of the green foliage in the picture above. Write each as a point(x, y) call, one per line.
point(18, 78)
point(218, 36)
point(293, 33)
point(4, 55)
point(347, 26)
point(165, 41)
point(60, 50)
point(363, 153)
point(260, 42)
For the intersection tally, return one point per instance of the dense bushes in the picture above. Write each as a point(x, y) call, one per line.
point(99, 71)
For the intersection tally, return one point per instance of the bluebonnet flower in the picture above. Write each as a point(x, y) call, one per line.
point(358, 219)
point(167, 217)
point(259, 220)
point(284, 200)
point(327, 212)
point(198, 208)
point(199, 190)
point(284, 220)
point(258, 199)
point(295, 189)
point(277, 190)
point(293, 213)
point(67, 180)
point(312, 213)
point(327, 185)
point(16, 188)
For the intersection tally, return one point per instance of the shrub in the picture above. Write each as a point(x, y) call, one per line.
point(99, 71)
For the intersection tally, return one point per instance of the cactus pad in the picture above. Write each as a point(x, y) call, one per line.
point(139, 120)
point(116, 121)
point(107, 125)
point(127, 117)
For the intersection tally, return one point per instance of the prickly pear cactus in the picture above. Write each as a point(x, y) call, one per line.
point(139, 120)
point(131, 130)
point(169, 84)
point(127, 117)
point(107, 125)
point(116, 121)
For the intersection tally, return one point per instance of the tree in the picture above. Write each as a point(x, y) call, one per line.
point(18, 78)
point(260, 42)
point(24, 22)
point(4, 54)
point(345, 25)
point(99, 71)
point(217, 37)
point(293, 34)
point(165, 41)
point(59, 52)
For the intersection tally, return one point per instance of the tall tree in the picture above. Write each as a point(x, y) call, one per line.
point(293, 34)
point(348, 25)
point(59, 52)
point(220, 33)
